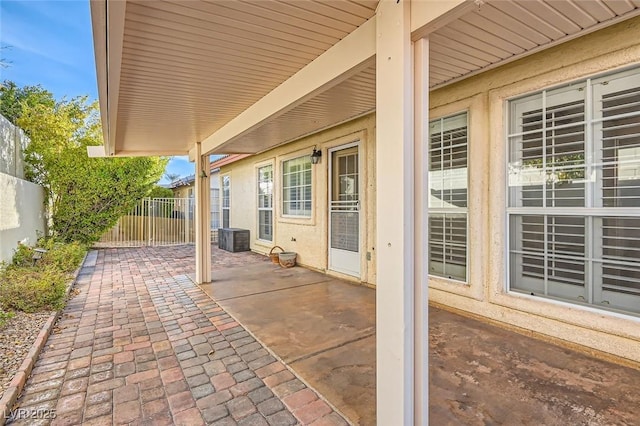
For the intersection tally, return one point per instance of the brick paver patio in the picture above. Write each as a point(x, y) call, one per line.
point(141, 344)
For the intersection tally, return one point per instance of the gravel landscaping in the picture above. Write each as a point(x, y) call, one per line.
point(16, 338)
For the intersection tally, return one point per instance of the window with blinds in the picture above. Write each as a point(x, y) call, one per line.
point(265, 203)
point(448, 141)
point(226, 200)
point(574, 192)
point(296, 187)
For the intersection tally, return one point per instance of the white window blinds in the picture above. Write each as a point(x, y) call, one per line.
point(448, 143)
point(574, 192)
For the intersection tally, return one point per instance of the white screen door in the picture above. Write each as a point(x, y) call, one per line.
point(344, 211)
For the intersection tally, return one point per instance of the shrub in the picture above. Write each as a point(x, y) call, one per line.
point(23, 255)
point(66, 257)
point(4, 317)
point(31, 289)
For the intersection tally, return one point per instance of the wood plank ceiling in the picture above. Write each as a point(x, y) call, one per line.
point(190, 67)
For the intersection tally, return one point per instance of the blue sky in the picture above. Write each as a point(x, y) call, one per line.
point(50, 43)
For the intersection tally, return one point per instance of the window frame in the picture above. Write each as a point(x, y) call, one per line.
point(448, 211)
point(591, 212)
point(259, 209)
point(227, 197)
point(284, 200)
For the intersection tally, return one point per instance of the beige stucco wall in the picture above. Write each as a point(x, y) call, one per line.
point(13, 142)
point(183, 191)
point(21, 214)
point(484, 96)
point(310, 234)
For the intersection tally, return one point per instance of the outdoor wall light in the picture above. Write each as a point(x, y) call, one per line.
point(315, 156)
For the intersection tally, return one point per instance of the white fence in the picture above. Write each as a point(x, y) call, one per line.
point(154, 222)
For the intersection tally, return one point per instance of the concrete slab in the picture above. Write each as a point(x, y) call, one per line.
point(346, 376)
point(297, 320)
point(479, 373)
point(259, 278)
point(482, 374)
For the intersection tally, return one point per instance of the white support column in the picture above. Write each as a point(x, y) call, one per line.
point(203, 217)
point(395, 322)
point(421, 292)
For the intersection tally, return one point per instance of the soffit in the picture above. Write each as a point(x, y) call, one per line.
point(499, 31)
point(350, 99)
point(188, 67)
point(487, 36)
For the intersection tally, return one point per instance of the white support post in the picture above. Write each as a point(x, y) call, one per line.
point(203, 217)
point(421, 292)
point(395, 319)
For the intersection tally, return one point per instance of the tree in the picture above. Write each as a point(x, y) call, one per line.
point(160, 192)
point(14, 99)
point(86, 195)
point(172, 177)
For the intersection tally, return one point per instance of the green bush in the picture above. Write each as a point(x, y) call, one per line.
point(4, 317)
point(66, 257)
point(23, 255)
point(32, 289)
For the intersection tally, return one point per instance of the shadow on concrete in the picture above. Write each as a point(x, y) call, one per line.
point(324, 329)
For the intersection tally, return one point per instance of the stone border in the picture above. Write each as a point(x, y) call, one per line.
point(10, 395)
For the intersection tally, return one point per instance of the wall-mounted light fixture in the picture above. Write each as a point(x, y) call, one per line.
point(315, 156)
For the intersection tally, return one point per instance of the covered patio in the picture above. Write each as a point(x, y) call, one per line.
point(141, 343)
point(324, 329)
point(206, 77)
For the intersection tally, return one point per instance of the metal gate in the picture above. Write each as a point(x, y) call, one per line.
point(154, 222)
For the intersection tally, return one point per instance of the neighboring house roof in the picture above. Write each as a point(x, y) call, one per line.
point(227, 159)
point(185, 181)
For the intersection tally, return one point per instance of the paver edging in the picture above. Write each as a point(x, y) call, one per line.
point(10, 395)
point(281, 361)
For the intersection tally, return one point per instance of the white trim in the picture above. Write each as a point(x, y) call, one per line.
point(395, 245)
point(203, 218)
point(478, 196)
point(330, 151)
point(282, 188)
point(346, 58)
point(108, 20)
point(421, 245)
point(222, 207)
point(548, 284)
point(450, 210)
point(258, 166)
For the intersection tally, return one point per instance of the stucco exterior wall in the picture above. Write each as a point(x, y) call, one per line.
point(308, 236)
point(484, 97)
point(12, 146)
point(22, 213)
point(183, 191)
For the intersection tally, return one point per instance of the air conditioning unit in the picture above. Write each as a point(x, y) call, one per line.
point(233, 239)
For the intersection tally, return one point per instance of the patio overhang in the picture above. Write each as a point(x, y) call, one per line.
point(242, 77)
